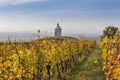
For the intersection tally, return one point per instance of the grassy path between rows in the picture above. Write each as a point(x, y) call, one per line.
point(89, 68)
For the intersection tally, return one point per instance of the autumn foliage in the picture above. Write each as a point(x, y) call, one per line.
point(40, 59)
point(111, 57)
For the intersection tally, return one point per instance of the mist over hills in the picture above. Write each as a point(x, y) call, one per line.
point(26, 36)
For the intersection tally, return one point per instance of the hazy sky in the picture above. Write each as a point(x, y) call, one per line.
point(74, 16)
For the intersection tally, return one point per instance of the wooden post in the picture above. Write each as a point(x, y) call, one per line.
point(48, 71)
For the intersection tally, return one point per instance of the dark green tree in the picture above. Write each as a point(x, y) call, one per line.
point(109, 32)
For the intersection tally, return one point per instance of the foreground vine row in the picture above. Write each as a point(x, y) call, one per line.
point(40, 59)
point(111, 57)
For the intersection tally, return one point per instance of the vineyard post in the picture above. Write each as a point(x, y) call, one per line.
point(70, 62)
point(40, 74)
point(63, 66)
point(48, 71)
point(53, 72)
point(59, 75)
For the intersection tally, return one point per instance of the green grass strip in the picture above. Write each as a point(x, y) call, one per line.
point(88, 68)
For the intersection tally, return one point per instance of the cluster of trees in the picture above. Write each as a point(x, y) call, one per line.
point(109, 32)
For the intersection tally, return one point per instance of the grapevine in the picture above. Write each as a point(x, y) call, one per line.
point(111, 57)
point(36, 59)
